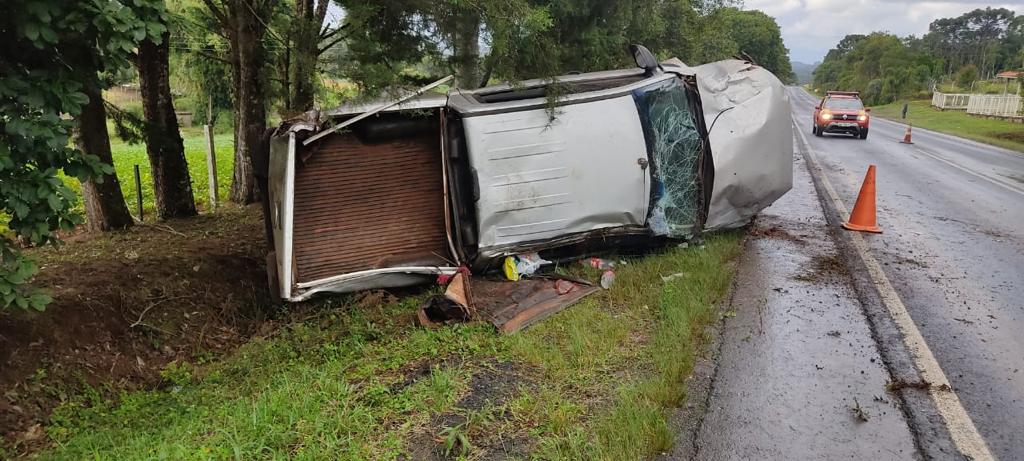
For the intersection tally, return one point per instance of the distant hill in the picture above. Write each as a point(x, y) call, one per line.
point(803, 71)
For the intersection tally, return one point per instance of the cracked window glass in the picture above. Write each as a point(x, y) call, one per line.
point(674, 150)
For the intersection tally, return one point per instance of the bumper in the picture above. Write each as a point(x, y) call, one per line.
point(843, 127)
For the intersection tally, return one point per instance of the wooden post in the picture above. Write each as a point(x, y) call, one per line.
point(138, 192)
point(211, 155)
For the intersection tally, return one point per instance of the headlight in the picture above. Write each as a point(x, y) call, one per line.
point(862, 117)
point(826, 116)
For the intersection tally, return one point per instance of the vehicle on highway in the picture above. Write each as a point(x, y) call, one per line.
point(841, 112)
point(419, 187)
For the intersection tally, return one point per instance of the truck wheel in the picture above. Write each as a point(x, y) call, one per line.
point(864, 134)
point(817, 131)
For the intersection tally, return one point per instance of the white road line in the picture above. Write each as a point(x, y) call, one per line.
point(961, 428)
point(996, 181)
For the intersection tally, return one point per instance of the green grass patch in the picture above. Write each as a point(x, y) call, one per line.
point(358, 380)
point(126, 156)
point(996, 132)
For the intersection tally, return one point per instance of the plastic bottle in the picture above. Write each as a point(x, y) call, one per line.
point(607, 279)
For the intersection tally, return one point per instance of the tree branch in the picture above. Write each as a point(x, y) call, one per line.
point(328, 46)
point(221, 16)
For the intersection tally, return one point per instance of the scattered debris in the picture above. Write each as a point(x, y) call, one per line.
point(858, 412)
point(598, 263)
point(897, 385)
point(607, 279)
point(510, 306)
point(964, 321)
point(834, 333)
point(453, 306)
point(669, 278)
point(523, 265)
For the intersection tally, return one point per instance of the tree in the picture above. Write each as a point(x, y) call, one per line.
point(43, 74)
point(757, 34)
point(305, 38)
point(244, 24)
point(104, 202)
point(172, 185)
point(966, 76)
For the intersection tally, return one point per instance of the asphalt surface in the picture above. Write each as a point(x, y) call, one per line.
point(799, 375)
point(952, 211)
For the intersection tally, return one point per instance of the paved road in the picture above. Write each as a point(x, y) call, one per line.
point(953, 247)
point(798, 356)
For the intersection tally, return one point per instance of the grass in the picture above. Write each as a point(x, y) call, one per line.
point(126, 156)
point(357, 380)
point(996, 132)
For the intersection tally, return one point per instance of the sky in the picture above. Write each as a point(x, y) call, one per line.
point(811, 27)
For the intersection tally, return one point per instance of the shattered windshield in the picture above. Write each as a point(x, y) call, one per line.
point(674, 147)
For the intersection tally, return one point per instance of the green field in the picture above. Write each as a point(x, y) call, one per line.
point(358, 380)
point(126, 156)
point(996, 132)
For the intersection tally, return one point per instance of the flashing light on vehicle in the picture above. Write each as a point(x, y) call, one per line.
point(862, 117)
point(826, 115)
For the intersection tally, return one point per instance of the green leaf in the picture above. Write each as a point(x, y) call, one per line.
point(39, 301)
point(32, 31)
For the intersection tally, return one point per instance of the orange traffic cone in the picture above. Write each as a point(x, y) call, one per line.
point(863, 217)
point(906, 136)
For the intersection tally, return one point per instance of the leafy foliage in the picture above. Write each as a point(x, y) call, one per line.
point(41, 83)
point(884, 67)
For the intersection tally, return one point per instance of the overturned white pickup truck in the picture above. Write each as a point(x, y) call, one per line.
point(568, 166)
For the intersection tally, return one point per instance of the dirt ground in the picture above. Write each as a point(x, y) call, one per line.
point(125, 305)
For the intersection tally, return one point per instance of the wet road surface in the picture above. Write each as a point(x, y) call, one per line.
point(799, 375)
point(953, 247)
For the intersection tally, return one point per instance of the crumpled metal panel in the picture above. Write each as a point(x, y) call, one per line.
point(751, 140)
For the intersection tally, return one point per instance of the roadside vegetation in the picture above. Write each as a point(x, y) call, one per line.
point(992, 131)
point(356, 379)
point(955, 53)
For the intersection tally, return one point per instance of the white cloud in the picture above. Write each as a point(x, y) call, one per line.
point(811, 27)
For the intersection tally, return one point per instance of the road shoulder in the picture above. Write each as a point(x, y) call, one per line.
point(797, 373)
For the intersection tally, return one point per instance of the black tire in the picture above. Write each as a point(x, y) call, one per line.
point(817, 131)
point(864, 134)
point(814, 129)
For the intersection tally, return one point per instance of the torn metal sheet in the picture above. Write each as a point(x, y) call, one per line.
point(512, 306)
point(747, 111)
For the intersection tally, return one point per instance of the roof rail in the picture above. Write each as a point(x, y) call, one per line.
point(842, 93)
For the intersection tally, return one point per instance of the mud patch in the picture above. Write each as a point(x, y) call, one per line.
point(776, 232)
point(1015, 136)
point(822, 268)
point(490, 388)
point(125, 304)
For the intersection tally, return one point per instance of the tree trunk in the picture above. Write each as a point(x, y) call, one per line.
point(467, 49)
point(309, 18)
point(104, 203)
point(171, 182)
point(250, 112)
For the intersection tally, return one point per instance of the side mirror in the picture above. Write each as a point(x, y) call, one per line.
point(818, 107)
point(867, 109)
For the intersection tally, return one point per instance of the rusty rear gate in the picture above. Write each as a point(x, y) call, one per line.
point(362, 206)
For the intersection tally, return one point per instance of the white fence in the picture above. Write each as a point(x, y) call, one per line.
point(950, 101)
point(996, 105)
